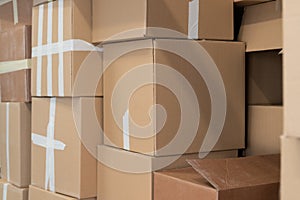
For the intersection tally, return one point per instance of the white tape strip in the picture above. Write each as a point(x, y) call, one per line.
point(15, 8)
point(61, 54)
point(4, 195)
point(49, 41)
point(39, 58)
point(50, 144)
point(193, 25)
point(7, 144)
point(16, 65)
point(126, 138)
point(2, 2)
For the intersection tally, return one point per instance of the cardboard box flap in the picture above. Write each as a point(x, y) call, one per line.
point(233, 173)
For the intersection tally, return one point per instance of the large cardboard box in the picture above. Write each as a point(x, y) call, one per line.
point(15, 12)
point(68, 124)
point(249, 2)
point(64, 63)
point(11, 192)
point(16, 43)
point(15, 129)
point(265, 126)
point(38, 194)
point(142, 66)
point(128, 176)
point(290, 163)
point(15, 86)
point(261, 27)
point(265, 78)
point(221, 179)
point(196, 19)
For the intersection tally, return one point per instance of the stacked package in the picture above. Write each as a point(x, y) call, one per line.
point(15, 106)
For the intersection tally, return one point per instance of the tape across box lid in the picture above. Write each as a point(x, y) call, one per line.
point(61, 48)
point(11, 192)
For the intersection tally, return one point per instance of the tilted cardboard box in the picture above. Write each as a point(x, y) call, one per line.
point(126, 109)
point(196, 19)
point(128, 176)
point(221, 179)
point(11, 192)
point(67, 124)
point(61, 50)
point(15, 129)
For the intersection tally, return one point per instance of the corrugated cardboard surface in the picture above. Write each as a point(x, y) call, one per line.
point(222, 179)
point(261, 28)
point(15, 86)
point(14, 193)
point(265, 126)
point(15, 43)
point(7, 15)
point(79, 179)
point(19, 131)
point(290, 163)
point(229, 58)
point(125, 177)
point(111, 17)
point(265, 78)
point(249, 2)
point(38, 194)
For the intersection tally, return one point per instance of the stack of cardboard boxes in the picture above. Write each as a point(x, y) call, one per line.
point(15, 106)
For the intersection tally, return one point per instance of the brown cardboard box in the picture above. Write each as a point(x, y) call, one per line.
point(15, 86)
point(229, 59)
point(265, 126)
point(62, 52)
point(211, 19)
point(261, 27)
point(128, 176)
point(265, 76)
point(65, 130)
point(249, 2)
point(15, 127)
point(221, 179)
point(13, 13)
point(16, 42)
point(10, 192)
point(290, 162)
point(38, 194)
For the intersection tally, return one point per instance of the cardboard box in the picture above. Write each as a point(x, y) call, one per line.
point(261, 27)
point(17, 12)
point(15, 86)
point(249, 2)
point(229, 60)
point(221, 179)
point(197, 19)
point(15, 127)
point(265, 78)
point(265, 126)
point(290, 163)
point(71, 126)
point(10, 192)
point(37, 194)
point(39, 2)
point(128, 176)
point(16, 42)
point(61, 50)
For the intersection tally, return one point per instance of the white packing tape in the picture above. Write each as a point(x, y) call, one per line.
point(10, 66)
point(61, 89)
point(15, 8)
point(4, 194)
point(7, 144)
point(193, 26)
point(126, 138)
point(39, 58)
point(49, 56)
point(50, 144)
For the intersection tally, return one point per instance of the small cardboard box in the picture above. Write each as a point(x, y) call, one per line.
point(196, 19)
point(221, 179)
point(265, 78)
point(261, 27)
point(125, 110)
point(265, 126)
point(128, 176)
point(70, 125)
point(16, 43)
point(11, 192)
point(15, 129)
point(15, 13)
point(15, 86)
point(38, 194)
point(64, 63)
point(249, 2)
